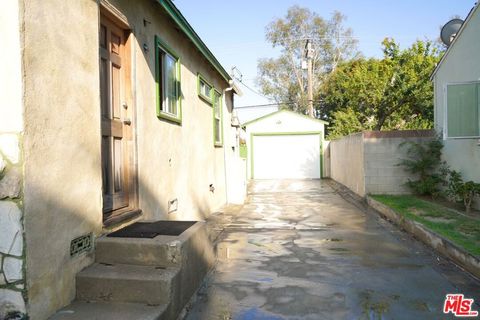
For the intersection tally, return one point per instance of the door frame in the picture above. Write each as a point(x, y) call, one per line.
point(132, 210)
point(285, 133)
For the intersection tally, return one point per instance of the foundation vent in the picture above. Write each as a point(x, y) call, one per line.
point(81, 244)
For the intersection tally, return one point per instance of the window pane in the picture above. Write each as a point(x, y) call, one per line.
point(216, 103)
point(462, 110)
point(217, 130)
point(217, 118)
point(170, 84)
point(206, 90)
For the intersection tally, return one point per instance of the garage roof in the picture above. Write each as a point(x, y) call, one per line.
point(283, 111)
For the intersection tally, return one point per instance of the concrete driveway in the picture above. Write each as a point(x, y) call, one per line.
point(298, 250)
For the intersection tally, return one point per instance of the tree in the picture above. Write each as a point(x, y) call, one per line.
point(283, 78)
point(390, 93)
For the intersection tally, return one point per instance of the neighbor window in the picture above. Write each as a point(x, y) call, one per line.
point(463, 108)
point(204, 89)
point(217, 118)
point(167, 73)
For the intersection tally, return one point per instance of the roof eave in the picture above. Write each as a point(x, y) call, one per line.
point(187, 29)
point(237, 90)
point(467, 19)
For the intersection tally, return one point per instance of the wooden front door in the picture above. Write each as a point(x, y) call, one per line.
point(116, 123)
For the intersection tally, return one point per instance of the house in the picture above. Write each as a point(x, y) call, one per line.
point(285, 145)
point(456, 82)
point(111, 111)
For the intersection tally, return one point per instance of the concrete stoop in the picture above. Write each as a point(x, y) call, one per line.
point(142, 278)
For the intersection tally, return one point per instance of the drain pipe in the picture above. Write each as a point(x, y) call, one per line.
point(232, 87)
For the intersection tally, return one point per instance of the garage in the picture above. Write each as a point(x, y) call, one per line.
point(286, 156)
point(285, 145)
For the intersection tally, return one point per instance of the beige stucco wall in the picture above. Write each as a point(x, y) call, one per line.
point(63, 185)
point(174, 162)
point(461, 64)
point(347, 162)
point(63, 197)
point(236, 166)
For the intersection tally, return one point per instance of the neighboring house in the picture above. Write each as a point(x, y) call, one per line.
point(457, 99)
point(285, 145)
point(110, 111)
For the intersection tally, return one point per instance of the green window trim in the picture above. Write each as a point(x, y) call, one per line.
point(162, 49)
point(217, 118)
point(462, 110)
point(202, 95)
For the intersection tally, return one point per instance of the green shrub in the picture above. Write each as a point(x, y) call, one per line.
point(424, 161)
point(461, 191)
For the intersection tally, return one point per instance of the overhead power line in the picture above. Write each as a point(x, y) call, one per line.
point(263, 105)
point(237, 75)
point(270, 104)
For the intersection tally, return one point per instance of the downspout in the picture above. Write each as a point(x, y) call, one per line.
point(230, 88)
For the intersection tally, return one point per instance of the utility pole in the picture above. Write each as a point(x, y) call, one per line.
point(309, 54)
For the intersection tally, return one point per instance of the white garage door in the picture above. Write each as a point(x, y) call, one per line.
point(286, 156)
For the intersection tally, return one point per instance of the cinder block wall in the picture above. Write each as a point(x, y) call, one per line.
point(382, 154)
point(367, 163)
point(347, 162)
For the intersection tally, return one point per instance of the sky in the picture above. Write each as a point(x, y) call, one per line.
point(235, 30)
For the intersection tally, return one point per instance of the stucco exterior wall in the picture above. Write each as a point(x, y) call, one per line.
point(12, 253)
point(459, 65)
point(347, 162)
point(63, 179)
point(174, 162)
point(280, 122)
point(62, 137)
point(235, 165)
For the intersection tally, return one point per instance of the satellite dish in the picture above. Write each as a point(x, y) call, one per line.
point(449, 31)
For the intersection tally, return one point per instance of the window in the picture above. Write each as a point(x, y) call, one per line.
point(463, 110)
point(217, 118)
point(204, 89)
point(167, 65)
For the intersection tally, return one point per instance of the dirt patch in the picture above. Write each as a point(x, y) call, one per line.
point(456, 207)
point(439, 219)
point(416, 211)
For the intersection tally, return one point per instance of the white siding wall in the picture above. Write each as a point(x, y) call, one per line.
point(461, 64)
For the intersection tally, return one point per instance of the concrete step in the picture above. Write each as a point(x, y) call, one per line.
point(127, 283)
point(79, 310)
point(160, 251)
point(163, 270)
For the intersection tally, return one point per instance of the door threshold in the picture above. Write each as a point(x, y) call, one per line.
point(121, 220)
